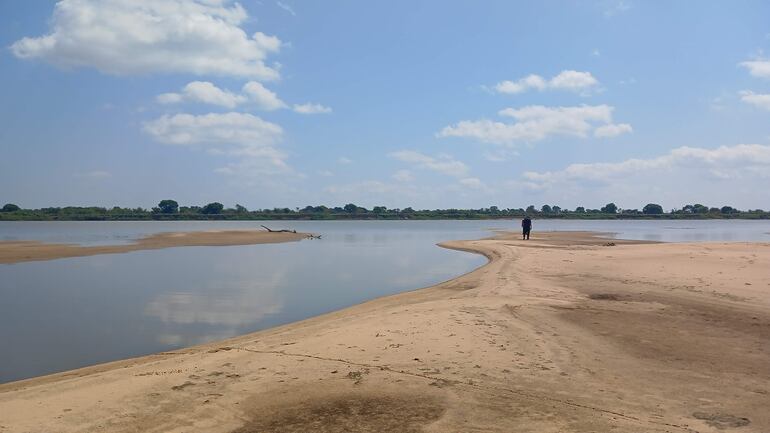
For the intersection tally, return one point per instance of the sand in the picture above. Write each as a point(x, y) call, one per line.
point(563, 333)
point(27, 251)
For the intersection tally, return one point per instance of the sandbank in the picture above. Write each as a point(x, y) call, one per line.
point(26, 251)
point(565, 332)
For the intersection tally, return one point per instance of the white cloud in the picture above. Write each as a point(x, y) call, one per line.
point(263, 97)
point(758, 100)
point(725, 162)
point(286, 7)
point(201, 37)
point(537, 122)
point(252, 140)
point(443, 164)
point(207, 93)
point(472, 182)
point(758, 68)
point(203, 92)
point(344, 160)
point(227, 132)
point(403, 176)
point(311, 108)
point(612, 130)
point(574, 81)
point(522, 85)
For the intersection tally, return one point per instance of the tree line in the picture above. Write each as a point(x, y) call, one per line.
point(171, 210)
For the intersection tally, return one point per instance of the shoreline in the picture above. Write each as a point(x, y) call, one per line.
point(529, 340)
point(27, 251)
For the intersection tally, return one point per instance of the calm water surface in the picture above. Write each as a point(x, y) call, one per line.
point(68, 313)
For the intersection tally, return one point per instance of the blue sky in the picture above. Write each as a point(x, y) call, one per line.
point(425, 104)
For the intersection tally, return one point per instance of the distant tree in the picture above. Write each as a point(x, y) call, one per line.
point(610, 208)
point(545, 209)
point(555, 209)
point(494, 209)
point(10, 207)
point(350, 208)
point(379, 209)
point(212, 208)
point(580, 209)
point(168, 206)
point(530, 209)
point(240, 209)
point(699, 208)
point(728, 209)
point(407, 210)
point(652, 209)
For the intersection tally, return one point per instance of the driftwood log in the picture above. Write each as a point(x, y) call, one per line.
point(310, 236)
point(279, 231)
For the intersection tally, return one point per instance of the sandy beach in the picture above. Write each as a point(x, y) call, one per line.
point(27, 251)
point(567, 332)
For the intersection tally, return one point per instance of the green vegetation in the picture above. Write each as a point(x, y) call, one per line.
point(170, 210)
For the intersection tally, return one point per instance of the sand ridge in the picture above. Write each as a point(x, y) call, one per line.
point(566, 332)
point(26, 251)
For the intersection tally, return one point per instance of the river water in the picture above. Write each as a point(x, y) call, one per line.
point(67, 313)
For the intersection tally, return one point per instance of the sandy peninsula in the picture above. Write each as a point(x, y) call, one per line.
point(27, 251)
point(566, 332)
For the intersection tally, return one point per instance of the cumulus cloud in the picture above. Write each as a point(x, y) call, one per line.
point(236, 132)
point(208, 93)
point(758, 100)
point(311, 108)
point(536, 122)
point(522, 85)
point(244, 136)
point(725, 162)
point(612, 130)
point(201, 37)
point(204, 92)
point(757, 68)
point(574, 81)
point(443, 164)
point(263, 97)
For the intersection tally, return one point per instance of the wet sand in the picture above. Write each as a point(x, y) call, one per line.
point(27, 251)
point(566, 332)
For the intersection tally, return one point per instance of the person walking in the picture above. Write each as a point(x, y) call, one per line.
point(526, 227)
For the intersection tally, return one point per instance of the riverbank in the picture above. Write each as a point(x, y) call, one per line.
point(566, 332)
point(27, 251)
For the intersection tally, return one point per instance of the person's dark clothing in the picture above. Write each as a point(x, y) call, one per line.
point(526, 227)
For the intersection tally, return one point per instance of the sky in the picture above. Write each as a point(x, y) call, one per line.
point(428, 104)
